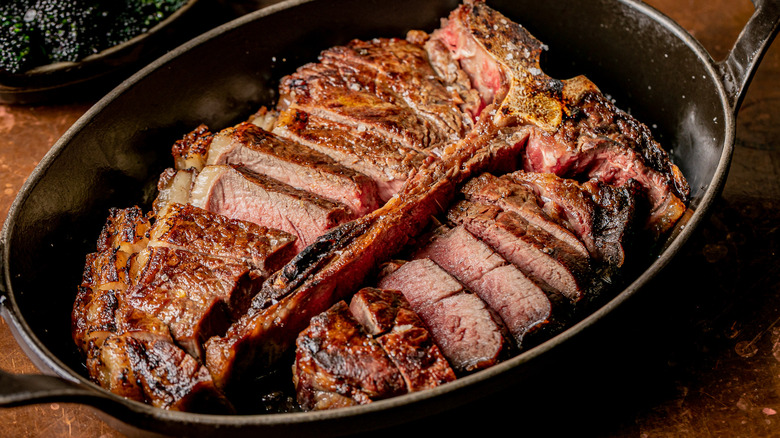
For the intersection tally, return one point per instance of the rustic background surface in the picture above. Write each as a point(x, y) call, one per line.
point(703, 356)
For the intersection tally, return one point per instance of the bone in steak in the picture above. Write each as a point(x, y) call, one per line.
point(555, 179)
point(579, 133)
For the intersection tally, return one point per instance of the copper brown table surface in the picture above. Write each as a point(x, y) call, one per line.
point(702, 355)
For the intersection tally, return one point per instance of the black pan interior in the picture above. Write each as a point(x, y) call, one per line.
point(113, 156)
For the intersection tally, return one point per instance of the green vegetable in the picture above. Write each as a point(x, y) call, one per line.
point(38, 32)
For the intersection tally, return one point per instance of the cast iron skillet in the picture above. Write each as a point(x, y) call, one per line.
point(113, 155)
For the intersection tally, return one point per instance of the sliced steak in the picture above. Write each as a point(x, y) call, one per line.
point(387, 316)
point(340, 261)
point(519, 302)
point(539, 255)
point(599, 214)
point(262, 152)
point(400, 71)
point(151, 369)
point(464, 329)
point(386, 85)
point(190, 152)
point(190, 228)
point(382, 159)
point(245, 195)
point(190, 293)
point(579, 133)
point(338, 364)
point(128, 351)
point(511, 196)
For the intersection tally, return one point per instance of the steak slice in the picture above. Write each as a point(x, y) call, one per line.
point(189, 292)
point(382, 159)
point(338, 364)
point(464, 329)
point(387, 316)
point(519, 302)
point(536, 253)
point(600, 215)
point(173, 187)
point(190, 228)
point(340, 261)
point(128, 351)
point(245, 195)
point(579, 133)
point(386, 85)
point(190, 151)
point(511, 196)
point(262, 152)
point(400, 71)
point(151, 369)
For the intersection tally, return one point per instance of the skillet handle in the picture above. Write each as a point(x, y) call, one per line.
point(27, 389)
point(739, 66)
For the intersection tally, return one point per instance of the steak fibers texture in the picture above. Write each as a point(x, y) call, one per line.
point(408, 212)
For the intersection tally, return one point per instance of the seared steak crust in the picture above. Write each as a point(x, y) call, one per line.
point(262, 152)
point(388, 316)
point(335, 355)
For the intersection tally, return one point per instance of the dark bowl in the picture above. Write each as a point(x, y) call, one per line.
point(95, 74)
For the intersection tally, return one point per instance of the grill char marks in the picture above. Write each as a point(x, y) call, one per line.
point(602, 216)
point(535, 252)
point(377, 107)
point(388, 316)
point(464, 329)
point(129, 352)
point(339, 267)
point(338, 364)
point(387, 85)
point(519, 302)
point(194, 229)
point(511, 196)
point(265, 153)
point(245, 195)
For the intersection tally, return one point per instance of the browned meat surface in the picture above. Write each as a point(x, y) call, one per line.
point(387, 316)
point(337, 264)
point(511, 196)
point(262, 152)
point(462, 326)
point(382, 159)
point(151, 369)
point(600, 215)
point(338, 364)
point(579, 133)
point(194, 229)
point(128, 351)
point(519, 302)
point(191, 151)
point(245, 195)
point(387, 85)
point(535, 252)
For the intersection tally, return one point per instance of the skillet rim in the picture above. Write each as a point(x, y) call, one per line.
point(48, 363)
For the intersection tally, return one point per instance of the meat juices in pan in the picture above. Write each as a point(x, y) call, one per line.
point(455, 195)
